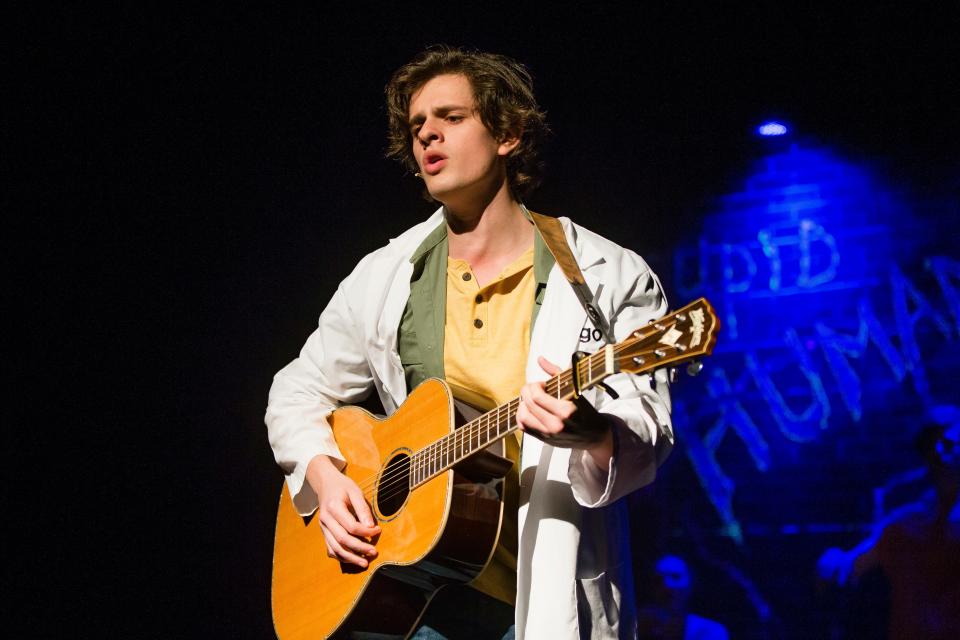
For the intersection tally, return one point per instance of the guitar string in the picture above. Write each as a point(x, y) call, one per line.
point(396, 476)
point(447, 446)
point(479, 427)
point(401, 484)
point(398, 472)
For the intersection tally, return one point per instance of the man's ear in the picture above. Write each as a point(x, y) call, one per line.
point(509, 141)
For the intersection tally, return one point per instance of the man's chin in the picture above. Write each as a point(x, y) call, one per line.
point(438, 190)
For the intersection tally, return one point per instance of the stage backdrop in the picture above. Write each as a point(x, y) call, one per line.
point(837, 289)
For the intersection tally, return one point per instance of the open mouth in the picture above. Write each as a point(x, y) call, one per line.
point(433, 163)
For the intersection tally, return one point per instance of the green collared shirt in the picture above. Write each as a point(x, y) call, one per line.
point(420, 340)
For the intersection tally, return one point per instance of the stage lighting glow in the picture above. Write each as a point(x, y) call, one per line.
point(772, 128)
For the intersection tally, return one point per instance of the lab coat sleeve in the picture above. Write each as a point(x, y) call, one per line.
point(643, 435)
point(331, 370)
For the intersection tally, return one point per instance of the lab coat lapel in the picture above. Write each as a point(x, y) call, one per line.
point(382, 352)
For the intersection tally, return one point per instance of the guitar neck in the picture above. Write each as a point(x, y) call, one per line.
point(498, 423)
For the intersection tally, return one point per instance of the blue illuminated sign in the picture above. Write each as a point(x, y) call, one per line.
point(806, 268)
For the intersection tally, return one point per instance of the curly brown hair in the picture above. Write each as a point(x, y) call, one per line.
point(503, 91)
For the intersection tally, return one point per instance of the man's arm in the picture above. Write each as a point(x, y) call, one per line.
point(331, 370)
point(565, 423)
point(634, 425)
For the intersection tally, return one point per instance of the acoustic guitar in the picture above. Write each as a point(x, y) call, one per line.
point(434, 489)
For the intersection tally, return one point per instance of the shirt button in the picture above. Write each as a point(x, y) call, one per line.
point(466, 276)
point(479, 299)
point(478, 323)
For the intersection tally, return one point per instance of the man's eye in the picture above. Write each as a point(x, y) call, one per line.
point(454, 118)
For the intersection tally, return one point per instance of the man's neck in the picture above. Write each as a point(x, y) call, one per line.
point(490, 235)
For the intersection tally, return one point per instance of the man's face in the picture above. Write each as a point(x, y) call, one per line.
point(458, 157)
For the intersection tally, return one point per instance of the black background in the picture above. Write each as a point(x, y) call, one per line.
point(194, 184)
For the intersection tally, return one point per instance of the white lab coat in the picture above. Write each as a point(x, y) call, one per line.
point(573, 572)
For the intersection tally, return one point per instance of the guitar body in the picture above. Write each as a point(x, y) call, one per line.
point(442, 532)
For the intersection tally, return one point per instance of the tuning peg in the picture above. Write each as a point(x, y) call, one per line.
point(673, 374)
point(694, 368)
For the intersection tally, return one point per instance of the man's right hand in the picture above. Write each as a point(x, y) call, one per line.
point(344, 514)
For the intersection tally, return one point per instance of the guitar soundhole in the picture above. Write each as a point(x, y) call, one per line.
point(394, 486)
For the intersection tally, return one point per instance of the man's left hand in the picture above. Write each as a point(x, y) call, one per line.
point(565, 423)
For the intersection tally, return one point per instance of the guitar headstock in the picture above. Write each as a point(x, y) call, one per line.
point(686, 334)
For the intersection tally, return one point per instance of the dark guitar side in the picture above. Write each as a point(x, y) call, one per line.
point(443, 533)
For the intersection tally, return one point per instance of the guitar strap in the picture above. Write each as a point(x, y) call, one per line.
point(556, 240)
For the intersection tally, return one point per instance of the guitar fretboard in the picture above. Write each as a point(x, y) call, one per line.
point(500, 422)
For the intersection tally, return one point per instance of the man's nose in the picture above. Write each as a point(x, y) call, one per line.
point(427, 134)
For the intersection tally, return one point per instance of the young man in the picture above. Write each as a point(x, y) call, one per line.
point(474, 296)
